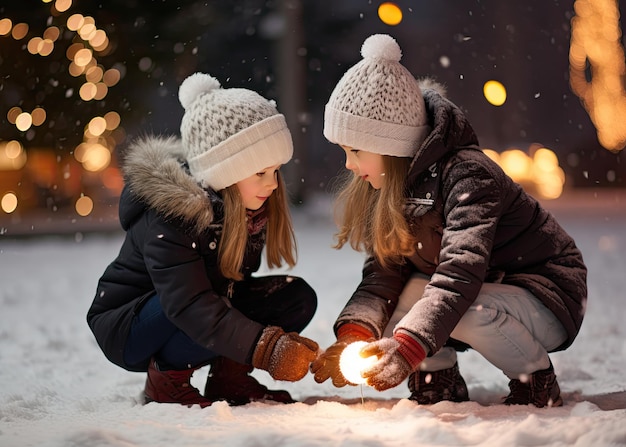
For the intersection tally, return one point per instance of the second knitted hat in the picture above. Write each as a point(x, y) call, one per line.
point(230, 134)
point(377, 105)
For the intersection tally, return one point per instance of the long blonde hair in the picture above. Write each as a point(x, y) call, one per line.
point(280, 238)
point(373, 220)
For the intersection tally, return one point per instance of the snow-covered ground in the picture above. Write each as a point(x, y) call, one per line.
point(57, 389)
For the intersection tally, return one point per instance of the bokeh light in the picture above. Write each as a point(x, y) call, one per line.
point(12, 155)
point(539, 173)
point(596, 52)
point(390, 13)
point(494, 92)
point(9, 202)
point(19, 31)
point(84, 206)
point(39, 116)
point(95, 157)
point(23, 121)
point(62, 5)
point(5, 26)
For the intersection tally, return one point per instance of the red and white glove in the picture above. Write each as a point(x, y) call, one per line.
point(398, 356)
point(326, 365)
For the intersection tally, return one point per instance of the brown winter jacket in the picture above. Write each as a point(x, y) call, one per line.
point(473, 225)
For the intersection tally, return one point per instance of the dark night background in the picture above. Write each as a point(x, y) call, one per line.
point(295, 51)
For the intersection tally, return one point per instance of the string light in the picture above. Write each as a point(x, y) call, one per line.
point(595, 45)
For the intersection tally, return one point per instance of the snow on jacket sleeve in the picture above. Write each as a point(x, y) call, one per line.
point(179, 275)
point(376, 297)
point(472, 208)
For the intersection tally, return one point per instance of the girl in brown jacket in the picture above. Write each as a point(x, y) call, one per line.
point(458, 254)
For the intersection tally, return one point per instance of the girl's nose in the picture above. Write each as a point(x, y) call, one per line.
point(273, 182)
point(349, 164)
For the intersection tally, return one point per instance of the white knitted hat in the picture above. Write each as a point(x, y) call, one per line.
point(377, 105)
point(230, 134)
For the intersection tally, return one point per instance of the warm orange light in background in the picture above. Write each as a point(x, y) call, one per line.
point(23, 121)
point(75, 21)
point(389, 13)
point(88, 91)
point(5, 26)
point(113, 120)
point(19, 31)
point(62, 5)
point(540, 171)
point(516, 164)
point(12, 155)
point(596, 42)
point(96, 157)
point(112, 179)
point(84, 206)
point(8, 202)
point(13, 113)
point(52, 33)
point(111, 77)
point(39, 116)
point(23, 176)
point(97, 126)
point(83, 57)
point(494, 92)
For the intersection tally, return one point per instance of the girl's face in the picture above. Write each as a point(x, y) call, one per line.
point(257, 188)
point(367, 165)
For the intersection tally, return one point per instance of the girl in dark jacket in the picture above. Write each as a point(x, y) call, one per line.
point(197, 215)
point(458, 254)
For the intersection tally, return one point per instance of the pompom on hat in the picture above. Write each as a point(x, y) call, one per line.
point(377, 106)
point(230, 134)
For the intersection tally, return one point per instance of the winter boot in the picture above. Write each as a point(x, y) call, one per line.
point(172, 387)
point(540, 389)
point(230, 381)
point(430, 387)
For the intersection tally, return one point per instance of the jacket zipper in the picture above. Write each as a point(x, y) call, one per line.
point(231, 286)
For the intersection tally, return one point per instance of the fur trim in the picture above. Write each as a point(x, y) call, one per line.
point(431, 84)
point(153, 170)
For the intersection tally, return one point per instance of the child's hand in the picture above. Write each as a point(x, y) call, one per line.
point(286, 356)
point(398, 357)
point(326, 365)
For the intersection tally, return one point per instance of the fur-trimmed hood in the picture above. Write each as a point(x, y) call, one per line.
point(156, 177)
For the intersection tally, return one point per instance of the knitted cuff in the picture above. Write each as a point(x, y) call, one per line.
point(354, 332)
point(411, 349)
point(265, 346)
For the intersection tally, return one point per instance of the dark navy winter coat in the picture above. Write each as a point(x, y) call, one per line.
point(473, 225)
point(172, 229)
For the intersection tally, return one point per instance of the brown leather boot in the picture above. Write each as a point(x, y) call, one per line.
point(172, 387)
point(231, 381)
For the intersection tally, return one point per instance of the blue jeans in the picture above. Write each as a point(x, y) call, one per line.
point(506, 324)
point(284, 301)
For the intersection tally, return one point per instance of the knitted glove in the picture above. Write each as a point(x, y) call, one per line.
point(327, 364)
point(398, 357)
point(286, 356)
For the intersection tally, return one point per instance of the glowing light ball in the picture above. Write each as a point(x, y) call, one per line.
point(351, 363)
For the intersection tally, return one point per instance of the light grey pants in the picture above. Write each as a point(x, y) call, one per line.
point(506, 324)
